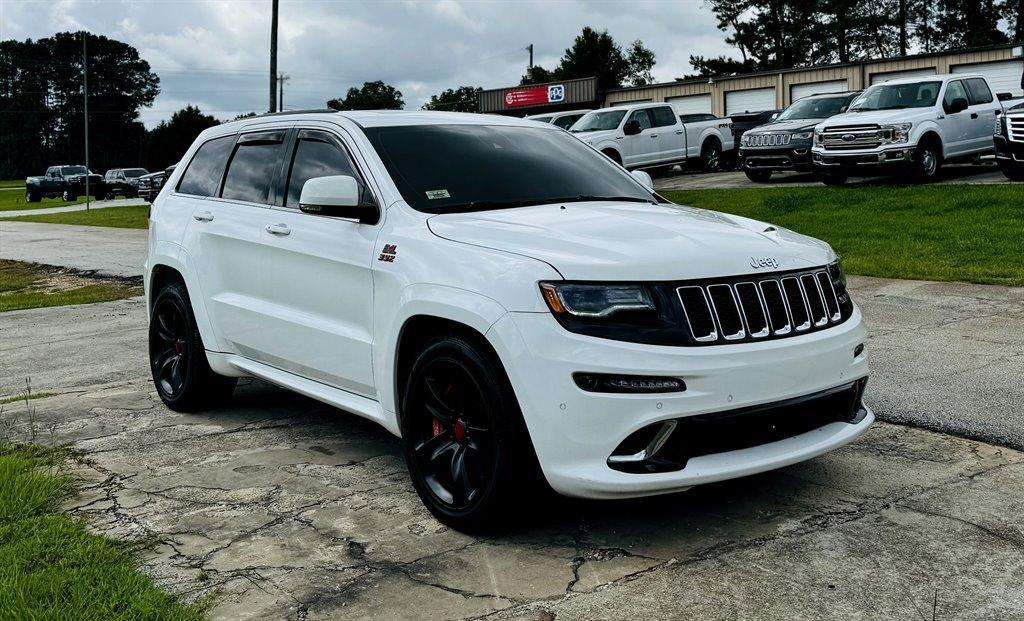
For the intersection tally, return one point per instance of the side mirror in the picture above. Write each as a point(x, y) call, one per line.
point(1004, 96)
point(957, 105)
point(643, 178)
point(337, 196)
point(631, 128)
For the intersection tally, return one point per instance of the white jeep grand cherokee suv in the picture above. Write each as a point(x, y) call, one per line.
point(513, 305)
point(908, 124)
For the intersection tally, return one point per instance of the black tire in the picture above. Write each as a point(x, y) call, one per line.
point(758, 176)
point(659, 171)
point(32, 197)
point(833, 178)
point(177, 358)
point(68, 196)
point(466, 445)
point(613, 156)
point(711, 156)
point(927, 161)
point(1011, 172)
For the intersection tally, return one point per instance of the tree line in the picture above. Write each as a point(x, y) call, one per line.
point(779, 34)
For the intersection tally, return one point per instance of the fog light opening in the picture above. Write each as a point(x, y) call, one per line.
point(858, 350)
point(622, 384)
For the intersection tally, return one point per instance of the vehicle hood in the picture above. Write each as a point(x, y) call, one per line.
point(596, 136)
point(81, 177)
point(795, 125)
point(634, 241)
point(906, 115)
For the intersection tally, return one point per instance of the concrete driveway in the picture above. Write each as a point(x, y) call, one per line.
point(103, 250)
point(984, 173)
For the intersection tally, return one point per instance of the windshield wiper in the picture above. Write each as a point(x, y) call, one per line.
point(581, 198)
point(486, 205)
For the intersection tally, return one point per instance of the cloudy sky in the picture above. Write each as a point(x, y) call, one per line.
point(214, 53)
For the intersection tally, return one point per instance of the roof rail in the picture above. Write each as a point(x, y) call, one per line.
point(284, 112)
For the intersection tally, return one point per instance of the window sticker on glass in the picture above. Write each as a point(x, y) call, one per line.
point(435, 194)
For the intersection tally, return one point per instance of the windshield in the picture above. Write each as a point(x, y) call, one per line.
point(131, 173)
point(595, 121)
point(452, 168)
point(813, 108)
point(540, 119)
point(896, 96)
point(73, 170)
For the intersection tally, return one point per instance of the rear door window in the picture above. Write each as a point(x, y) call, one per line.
point(316, 154)
point(663, 116)
point(204, 172)
point(979, 91)
point(253, 167)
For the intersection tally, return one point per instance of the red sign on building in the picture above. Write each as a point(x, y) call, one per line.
point(534, 95)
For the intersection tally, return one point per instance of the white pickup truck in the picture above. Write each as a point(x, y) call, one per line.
point(912, 124)
point(652, 135)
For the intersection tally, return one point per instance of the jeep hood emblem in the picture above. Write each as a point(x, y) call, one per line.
point(764, 262)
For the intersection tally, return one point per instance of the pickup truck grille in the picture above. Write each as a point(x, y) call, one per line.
point(756, 308)
point(1015, 126)
point(768, 140)
point(849, 137)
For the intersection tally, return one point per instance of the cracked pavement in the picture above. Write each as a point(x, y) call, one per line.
point(286, 508)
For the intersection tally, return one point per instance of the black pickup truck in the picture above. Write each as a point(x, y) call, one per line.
point(123, 181)
point(66, 182)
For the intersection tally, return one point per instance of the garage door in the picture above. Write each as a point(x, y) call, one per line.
point(799, 91)
point(878, 78)
point(752, 100)
point(691, 104)
point(1004, 76)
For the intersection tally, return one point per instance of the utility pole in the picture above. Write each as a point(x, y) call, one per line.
point(903, 27)
point(281, 79)
point(273, 57)
point(85, 102)
point(529, 48)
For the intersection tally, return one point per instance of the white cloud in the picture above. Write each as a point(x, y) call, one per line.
point(214, 54)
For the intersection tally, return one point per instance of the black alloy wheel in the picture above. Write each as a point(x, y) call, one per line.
point(711, 157)
point(177, 357)
point(466, 446)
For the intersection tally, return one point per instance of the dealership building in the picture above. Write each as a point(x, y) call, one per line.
point(1003, 65)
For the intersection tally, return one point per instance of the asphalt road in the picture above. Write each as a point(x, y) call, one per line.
point(984, 173)
point(103, 250)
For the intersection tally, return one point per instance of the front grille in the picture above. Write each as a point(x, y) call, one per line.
point(847, 137)
point(1015, 126)
point(751, 309)
point(768, 140)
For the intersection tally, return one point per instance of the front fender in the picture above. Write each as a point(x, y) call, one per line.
point(920, 129)
point(172, 255)
point(474, 310)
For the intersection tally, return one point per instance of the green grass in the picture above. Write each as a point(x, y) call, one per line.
point(25, 285)
point(970, 233)
point(25, 396)
point(130, 217)
point(12, 183)
point(51, 567)
point(13, 200)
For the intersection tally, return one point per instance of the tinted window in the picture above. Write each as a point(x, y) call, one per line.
point(814, 108)
point(694, 118)
point(73, 170)
point(204, 172)
point(954, 90)
point(663, 116)
point(566, 121)
point(541, 119)
point(479, 167)
point(979, 91)
point(315, 156)
point(642, 117)
point(253, 168)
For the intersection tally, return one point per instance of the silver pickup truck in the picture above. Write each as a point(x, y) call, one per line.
point(652, 135)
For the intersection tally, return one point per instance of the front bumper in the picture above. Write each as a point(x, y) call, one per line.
point(796, 158)
point(892, 158)
point(575, 432)
point(1009, 152)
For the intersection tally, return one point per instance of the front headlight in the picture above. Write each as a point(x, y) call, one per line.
point(595, 301)
point(896, 133)
point(802, 135)
point(818, 137)
point(744, 140)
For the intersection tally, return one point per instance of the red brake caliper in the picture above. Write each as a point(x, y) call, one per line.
point(438, 428)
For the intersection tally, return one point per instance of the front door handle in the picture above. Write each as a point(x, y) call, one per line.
point(278, 229)
point(974, 115)
point(203, 216)
point(679, 131)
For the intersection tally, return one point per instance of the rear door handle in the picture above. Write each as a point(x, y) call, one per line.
point(203, 216)
point(278, 229)
point(974, 115)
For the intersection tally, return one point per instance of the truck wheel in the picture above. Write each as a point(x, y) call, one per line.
point(177, 358)
point(466, 446)
point(68, 196)
point(1013, 173)
point(758, 176)
point(32, 197)
point(927, 160)
point(711, 156)
point(613, 156)
point(833, 178)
